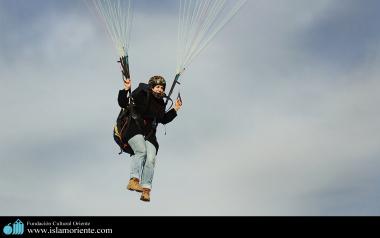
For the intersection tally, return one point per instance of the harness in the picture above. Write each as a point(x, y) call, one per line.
point(125, 117)
point(125, 114)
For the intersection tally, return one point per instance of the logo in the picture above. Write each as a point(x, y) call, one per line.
point(16, 229)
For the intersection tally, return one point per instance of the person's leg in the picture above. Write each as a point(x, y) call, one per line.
point(138, 146)
point(148, 171)
point(148, 166)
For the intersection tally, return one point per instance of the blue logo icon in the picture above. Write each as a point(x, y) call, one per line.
point(16, 229)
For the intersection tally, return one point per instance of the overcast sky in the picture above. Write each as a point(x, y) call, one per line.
point(280, 115)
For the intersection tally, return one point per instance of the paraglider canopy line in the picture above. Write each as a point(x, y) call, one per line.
point(199, 22)
point(117, 15)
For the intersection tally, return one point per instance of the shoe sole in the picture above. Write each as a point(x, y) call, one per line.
point(130, 189)
point(145, 200)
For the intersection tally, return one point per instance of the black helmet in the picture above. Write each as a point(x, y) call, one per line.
point(157, 80)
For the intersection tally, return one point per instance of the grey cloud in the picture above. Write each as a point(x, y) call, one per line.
point(345, 35)
point(261, 131)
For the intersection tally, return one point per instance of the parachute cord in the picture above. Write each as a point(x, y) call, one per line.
point(193, 30)
point(212, 15)
point(130, 17)
point(199, 22)
point(231, 14)
point(190, 33)
point(193, 27)
point(179, 50)
point(186, 26)
point(117, 16)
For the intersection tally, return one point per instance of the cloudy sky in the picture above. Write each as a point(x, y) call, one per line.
point(280, 113)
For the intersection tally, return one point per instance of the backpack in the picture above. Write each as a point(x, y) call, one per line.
point(119, 129)
point(123, 121)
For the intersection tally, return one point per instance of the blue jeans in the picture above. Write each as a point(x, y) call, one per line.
point(143, 161)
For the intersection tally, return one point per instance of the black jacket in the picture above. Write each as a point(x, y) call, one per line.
point(151, 111)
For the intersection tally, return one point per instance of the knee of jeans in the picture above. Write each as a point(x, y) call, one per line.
point(141, 150)
point(150, 161)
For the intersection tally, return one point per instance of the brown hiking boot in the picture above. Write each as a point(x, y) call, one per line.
point(145, 196)
point(134, 185)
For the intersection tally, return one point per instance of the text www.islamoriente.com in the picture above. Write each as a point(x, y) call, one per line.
point(57, 230)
